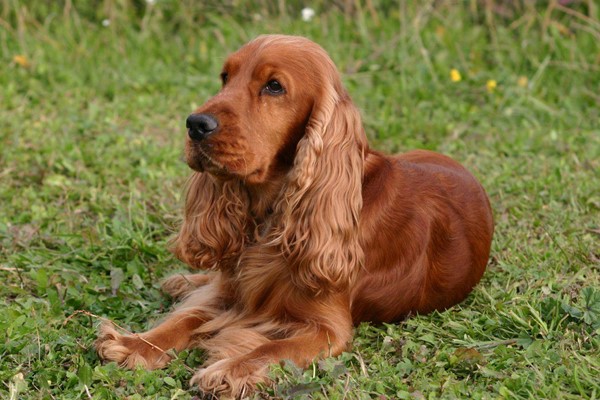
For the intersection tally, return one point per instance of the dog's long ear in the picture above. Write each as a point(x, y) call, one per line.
point(319, 208)
point(215, 226)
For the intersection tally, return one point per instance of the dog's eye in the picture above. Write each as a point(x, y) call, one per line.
point(274, 87)
point(224, 77)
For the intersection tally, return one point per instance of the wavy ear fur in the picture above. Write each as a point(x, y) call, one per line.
point(319, 208)
point(215, 226)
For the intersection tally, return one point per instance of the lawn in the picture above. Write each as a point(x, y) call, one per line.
point(93, 101)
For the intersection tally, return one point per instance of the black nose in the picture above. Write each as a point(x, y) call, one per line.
point(201, 125)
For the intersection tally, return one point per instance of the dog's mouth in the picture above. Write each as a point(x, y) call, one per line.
point(208, 157)
point(200, 160)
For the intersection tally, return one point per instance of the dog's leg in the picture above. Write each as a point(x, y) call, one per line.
point(150, 349)
point(237, 376)
point(176, 332)
point(179, 285)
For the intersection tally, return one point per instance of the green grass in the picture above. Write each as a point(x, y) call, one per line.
point(91, 132)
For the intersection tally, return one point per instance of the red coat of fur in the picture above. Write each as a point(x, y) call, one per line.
point(306, 229)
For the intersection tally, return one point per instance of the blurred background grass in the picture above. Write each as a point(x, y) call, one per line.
point(93, 99)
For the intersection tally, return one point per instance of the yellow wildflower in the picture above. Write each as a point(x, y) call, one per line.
point(21, 60)
point(522, 81)
point(440, 31)
point(491, 85)
point(455, 75)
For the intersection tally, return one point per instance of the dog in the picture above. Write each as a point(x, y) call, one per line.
point(305, 230)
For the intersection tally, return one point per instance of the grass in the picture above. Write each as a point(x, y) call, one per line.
point(93, 101)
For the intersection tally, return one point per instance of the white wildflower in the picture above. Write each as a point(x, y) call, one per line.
point(105, 22)
point(307, 14)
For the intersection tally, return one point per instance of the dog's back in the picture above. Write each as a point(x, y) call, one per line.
point(426, 234)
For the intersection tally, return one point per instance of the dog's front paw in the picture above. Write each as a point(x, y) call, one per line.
point(234, 377)
point(129, 351)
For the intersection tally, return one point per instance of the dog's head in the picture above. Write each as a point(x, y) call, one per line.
point(270, 90)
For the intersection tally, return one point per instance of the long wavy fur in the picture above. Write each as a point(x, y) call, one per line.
point(318, 211)
point(215, 227)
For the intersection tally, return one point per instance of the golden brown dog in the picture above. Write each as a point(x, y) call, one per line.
point(306, 230)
